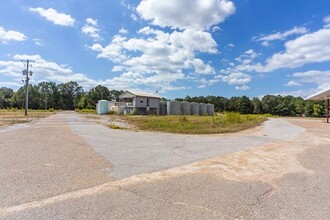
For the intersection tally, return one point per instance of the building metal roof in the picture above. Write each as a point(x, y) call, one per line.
point(132, 94)
point(321, 95)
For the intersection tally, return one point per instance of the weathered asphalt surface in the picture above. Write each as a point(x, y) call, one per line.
point(67, 167)
point(134, 153)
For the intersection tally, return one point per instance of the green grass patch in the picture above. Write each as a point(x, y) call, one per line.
point(226, 123)
point(85, 110)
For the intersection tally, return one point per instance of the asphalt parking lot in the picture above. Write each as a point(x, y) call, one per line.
point(69, 167)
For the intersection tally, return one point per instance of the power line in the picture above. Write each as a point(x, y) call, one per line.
point(26, 73)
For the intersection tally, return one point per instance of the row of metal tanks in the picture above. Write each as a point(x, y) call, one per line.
point(185, 108)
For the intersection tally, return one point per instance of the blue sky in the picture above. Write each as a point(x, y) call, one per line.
point(177, 47)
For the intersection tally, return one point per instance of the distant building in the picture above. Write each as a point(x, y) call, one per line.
point(140, 103)
point(322, 95)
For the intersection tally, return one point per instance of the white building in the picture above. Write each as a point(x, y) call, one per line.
point(142, 103)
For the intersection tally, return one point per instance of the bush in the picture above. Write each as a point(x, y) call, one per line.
point(232, 117)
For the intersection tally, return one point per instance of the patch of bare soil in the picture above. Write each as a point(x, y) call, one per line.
point(110, 121)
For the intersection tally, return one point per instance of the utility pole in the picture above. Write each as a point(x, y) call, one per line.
point(26, 73)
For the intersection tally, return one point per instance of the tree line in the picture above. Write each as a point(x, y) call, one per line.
point(269, 104)
point(70, 96)
point(49, 95)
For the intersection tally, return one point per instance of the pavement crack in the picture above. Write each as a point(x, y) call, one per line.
point(259, 199)
point(181, 146)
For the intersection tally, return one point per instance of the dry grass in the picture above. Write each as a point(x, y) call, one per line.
point(14, 116)
point(226, 123)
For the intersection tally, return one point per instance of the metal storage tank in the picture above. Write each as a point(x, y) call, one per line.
point(102, 107)
point(173, 108)
point(194, 108)
point(162, 108)
point(185, 108)
point(202, 109)
point(210, 109)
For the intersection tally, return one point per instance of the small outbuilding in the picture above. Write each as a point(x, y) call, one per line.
point(322, 95)
point(142, 103)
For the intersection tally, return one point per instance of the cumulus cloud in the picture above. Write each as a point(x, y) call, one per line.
point(55, 17)
point(158, 57)
point(43, 70)
point(266, 39)
point(309, 48)
point(313, 76)
point(196, 14)
point(235, 78)
point(7, 36)
point(164, 57)
point(91, 28)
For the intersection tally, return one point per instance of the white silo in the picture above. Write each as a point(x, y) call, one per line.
point(173, 108)
point(210, 109)
point(194, 108)
point(162, 108)
point(202, 109)
point(185, 108)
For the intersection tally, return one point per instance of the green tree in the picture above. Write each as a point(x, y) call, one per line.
point(6, 95)
point(114, 95)
point(244, 105)
point(98, 93)
point(270, 104)
point(18, 99)
point(257, 106)
point(49, 95)
point(70, 93)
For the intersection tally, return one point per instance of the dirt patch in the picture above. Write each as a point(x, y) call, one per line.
point(110, 120)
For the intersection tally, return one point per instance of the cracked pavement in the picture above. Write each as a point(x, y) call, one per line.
point(68, 167)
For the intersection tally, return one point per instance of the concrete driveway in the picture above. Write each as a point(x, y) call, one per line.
point(132, 152)
point(68, 167)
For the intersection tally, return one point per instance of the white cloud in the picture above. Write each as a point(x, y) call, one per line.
point(280, 35)
point(10, 84)
point(37, 41)
point(216, 28)
point(309, 48)
point(91, 28)
point(164, 58)
point(242, 88)
point(235, 78)
point(112, 51)
point(292, 83)
point(159, 58)
point(185, 14)
point(313, 76)
point(54, 16)
point(231, 45)
point(327, 21)
point(6, 36)
point(43, 70)
point(123, 31)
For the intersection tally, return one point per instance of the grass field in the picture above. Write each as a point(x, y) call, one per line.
point(14, 116)
point(226, 123)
